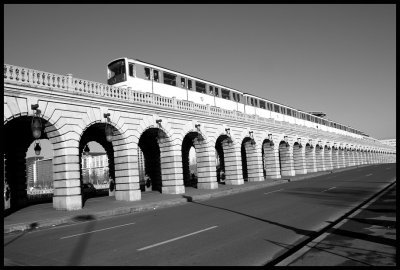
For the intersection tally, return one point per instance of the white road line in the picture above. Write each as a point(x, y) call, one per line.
point(177, 238)
point(97, 230)
point(328, 189)
point(369, 174)
point(273, 191)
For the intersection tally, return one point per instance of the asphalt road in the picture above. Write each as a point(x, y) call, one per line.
point(249, 228)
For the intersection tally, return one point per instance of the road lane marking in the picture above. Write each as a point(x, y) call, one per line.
point(369, 174)
point(328, 189)
point(96, 230)
point(273, 191)
point(177, 238)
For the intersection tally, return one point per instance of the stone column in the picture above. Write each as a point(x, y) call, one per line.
point(66, 176)
point(271, 161)
point(319, 158)
point(286, 160)
point(127, 187)
point(335, 158)
point(233, 164)
point(328, 158)
point(254, 162)
point(310, 159)
point(171, 167)
point(206, 172)
point(300, 166)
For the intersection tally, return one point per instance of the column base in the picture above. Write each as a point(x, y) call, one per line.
point(68, 203)
point(173, 190)
point(128, 195)
point(208, 185)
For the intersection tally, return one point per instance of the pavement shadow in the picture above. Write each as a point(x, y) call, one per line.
point(378, 222)
point(80, 248)
point(294, 229)
point(365, 237)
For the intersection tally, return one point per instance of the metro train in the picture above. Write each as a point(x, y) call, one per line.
point(145, 77)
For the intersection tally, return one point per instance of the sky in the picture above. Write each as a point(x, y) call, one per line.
point(338, 59)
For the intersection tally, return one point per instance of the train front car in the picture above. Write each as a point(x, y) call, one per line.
point(116, 73)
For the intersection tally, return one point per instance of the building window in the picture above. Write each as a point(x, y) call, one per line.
point(155, 73)
point(200, 87)
point(169, 79)
point(225, 94)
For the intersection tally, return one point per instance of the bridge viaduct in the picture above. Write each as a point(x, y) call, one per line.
point(72, 111)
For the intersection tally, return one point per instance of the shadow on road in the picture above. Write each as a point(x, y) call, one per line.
point(80, 248)
point(294, 229)
point(32, 226)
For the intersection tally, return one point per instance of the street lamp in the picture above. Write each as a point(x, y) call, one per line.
point(86, 150)
point(36, 124)
point(286, 138)
point(299, 142)
point(228, 132)
point(108, 128)
point(252, 141)
point(37, 148)
point(199, 136)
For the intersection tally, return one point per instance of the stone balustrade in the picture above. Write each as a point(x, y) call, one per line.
point(66, 83)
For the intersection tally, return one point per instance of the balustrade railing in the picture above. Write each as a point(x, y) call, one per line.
point(66, 83)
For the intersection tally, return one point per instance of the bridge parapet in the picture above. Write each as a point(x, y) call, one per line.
point(68, 84)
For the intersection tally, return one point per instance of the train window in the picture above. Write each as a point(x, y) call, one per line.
point(147, 73)
point(256, 102)
point(169, 79)
point(236, 97)
point(183, 82)
point(262, 104)
point(276, 108)
point(294, 114)
point(131, 65)
point(211, 90)
point(289, 112)
point(200, 87)
point(225, 94)
point(269, 106)
point(155, 73)
point(190, 84)
point(216, 92)
point(308, 117)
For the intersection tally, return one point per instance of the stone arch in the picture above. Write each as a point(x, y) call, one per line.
point(228, 150)
point(63, 131)
point(251, 156)
point(205, 155)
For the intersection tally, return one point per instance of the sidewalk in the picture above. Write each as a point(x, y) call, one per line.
point(44, 215)
point(365, 238)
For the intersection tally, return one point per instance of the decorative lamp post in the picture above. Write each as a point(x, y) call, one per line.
point(86, 150)
point(37, 148)
point(36, 124)
point(108, 128)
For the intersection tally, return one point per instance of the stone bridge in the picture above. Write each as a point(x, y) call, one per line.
point(74, 112)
